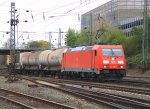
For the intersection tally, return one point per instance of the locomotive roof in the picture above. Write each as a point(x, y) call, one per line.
point(91, 47)
point(80, 48)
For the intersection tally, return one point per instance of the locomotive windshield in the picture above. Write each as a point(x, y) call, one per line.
point(112, 52)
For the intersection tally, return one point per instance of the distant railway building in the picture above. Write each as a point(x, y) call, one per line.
point(122, 14)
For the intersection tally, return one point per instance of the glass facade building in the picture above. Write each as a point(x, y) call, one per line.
point(122, 14)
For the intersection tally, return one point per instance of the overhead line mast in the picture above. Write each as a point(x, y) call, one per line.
point(145, 42)
point(13, 23)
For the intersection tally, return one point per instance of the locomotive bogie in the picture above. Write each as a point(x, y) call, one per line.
point(113, 74)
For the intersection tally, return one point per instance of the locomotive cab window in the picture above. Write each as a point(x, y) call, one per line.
point(112, 52)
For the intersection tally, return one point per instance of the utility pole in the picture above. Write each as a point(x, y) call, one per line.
point(90, 35)
point(145, 42)
point(59, 38)
point(50, 37)
point(13, 23)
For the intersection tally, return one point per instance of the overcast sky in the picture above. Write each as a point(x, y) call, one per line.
point(44, 16)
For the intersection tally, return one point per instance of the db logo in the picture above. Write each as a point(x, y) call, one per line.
point(113, 62)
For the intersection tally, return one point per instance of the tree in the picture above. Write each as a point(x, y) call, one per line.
point(38, 44)
point(44, 44)
point(75, 38)
point(83, 37)
point(71, 38)
point(111, 36)
point(105, 33)
point(34, 44)
point(133, 45)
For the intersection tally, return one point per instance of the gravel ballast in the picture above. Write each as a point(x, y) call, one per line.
point(47, 93)
point(117, 92)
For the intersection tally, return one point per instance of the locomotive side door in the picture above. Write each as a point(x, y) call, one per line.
point(94, 53)
point(91, 59)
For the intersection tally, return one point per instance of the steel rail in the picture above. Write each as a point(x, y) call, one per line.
point(134, 83)
point(41, 100)
point(104, 86)
point(112, 105)
point(137, 77)
point(130, 101)
point(114, 101)
point(21, 105)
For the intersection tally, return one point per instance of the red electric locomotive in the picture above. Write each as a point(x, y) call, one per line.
point(100, 62)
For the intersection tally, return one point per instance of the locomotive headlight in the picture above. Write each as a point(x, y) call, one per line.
point(113, 58)
point(105, 66)
point(120, 62)
point(121, 66)
point(105, 62)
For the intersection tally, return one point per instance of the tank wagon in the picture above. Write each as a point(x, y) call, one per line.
point(41, 62)
point(98, 62)
point(34, 58)
point(24, 59)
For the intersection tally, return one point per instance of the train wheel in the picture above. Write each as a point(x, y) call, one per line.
point(101, 77)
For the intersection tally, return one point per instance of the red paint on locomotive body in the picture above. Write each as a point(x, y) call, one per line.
point(94, 59)
point(114, 57)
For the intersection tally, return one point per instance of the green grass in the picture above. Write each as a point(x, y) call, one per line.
point(2, 81)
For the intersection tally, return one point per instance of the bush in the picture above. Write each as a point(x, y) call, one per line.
point(135, 61)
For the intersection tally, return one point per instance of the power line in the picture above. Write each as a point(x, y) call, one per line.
point(49, 11)
point(35, 23)
point(77, 7)
point(41, 12)
point(33, 2)
point(55, 8)
point(63, 6)
point(4, 2)
point(46, 12)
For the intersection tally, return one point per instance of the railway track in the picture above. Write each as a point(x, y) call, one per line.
point(111, 100)
point(141, 78)
point(113, 86)
point(134, 83)
point(121, 102)
point(137, 79)
point(24, 101)
point(127, 81)
point(126, 86)
point(3, 70)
